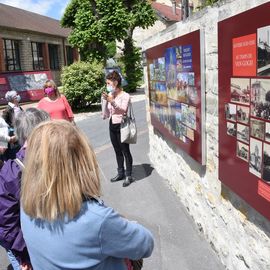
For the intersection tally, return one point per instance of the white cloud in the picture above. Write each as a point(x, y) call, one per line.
point(49, 8)
point(40, 6)
point(63, 6)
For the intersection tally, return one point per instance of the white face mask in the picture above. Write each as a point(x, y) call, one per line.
point(110, 89)
point(18, 98)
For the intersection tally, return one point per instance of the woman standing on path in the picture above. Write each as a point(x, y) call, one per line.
point(115, 105)
point(54, 103)
point(13, 108)
point(65, 225)
point(9, 115)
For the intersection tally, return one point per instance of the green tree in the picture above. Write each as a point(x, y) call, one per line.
point(141, 15)
point(94, 24)
point(97, 23)
point(208, 3)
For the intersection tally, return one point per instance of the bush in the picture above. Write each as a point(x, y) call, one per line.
point(83, 83)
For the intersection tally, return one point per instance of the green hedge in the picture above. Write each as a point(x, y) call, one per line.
point(83, 83)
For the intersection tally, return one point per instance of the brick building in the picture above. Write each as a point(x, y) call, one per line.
point(31, 44)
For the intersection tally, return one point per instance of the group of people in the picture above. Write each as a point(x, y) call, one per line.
point(51, 214)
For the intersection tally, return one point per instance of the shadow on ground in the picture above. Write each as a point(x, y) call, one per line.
point(142, 171)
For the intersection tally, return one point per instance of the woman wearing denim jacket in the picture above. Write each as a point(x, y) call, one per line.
point(64, 224)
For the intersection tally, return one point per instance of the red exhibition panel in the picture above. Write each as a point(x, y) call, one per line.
point(244, 106)
point(175, 89)
point(28, 84)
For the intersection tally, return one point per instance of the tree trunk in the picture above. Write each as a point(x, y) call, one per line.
point(130, 64)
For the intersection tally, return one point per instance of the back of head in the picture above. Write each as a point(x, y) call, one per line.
point(10, 95)
point(60, 171)
point(27, 120)
point(115, 77)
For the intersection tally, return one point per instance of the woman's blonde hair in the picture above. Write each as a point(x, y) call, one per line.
point(51, 83)
point(61, 171)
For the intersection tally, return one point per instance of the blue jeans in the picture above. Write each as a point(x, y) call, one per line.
point(14, 262)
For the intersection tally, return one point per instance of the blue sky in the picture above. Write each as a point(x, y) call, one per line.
point(50, 8)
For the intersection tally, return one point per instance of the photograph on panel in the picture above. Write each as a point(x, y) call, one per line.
point(191, 117)
point(182, 85)
point(172, 117)
point(178, 120)
point(183, 132)
point(178, 50)
point(179, 65)
point(156, 110)
point(191, 78)
point(263, 45)
point(164, 119)
point(267, 131)
point(266, 163)
point(242, 114)
point(243, 133)
point(155, 69)
point(152, 107)
point(170, 65)
point(190, 134)
point(242, 151)
point(192, 95)
point(231, 129)
point(153, 96)
point(161, 93)
point(152, 72)
point(153, 85)
point(260, 98)
point(257, 128)
point(160, 72)
point(255, 157)
point(230, 112)
point(184, 111)
point(240, 90)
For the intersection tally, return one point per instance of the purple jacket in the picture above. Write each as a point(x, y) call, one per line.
point(10, 228)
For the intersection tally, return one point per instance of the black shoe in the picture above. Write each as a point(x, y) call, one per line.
point(118, 177)
point(128, 181)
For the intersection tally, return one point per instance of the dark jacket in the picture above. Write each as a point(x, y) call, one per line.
point(8, 115)
point(10, 228)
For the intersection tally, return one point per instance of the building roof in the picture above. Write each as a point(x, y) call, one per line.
point(20, 19)
point(166, 12)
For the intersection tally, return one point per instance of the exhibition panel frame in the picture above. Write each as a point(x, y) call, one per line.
point(176, 76)
point(244, 106)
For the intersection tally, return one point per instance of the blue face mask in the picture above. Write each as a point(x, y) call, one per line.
point(110, 89)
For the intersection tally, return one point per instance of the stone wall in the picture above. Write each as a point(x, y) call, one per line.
point(239, 234)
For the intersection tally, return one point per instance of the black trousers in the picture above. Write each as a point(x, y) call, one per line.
point(121, 150)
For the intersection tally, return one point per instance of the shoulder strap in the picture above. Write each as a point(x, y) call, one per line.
point(130, 111)
point(19, 162)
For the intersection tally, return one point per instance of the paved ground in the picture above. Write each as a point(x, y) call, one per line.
point(150, 201)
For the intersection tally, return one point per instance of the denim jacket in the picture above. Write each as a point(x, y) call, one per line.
point(96, 239)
